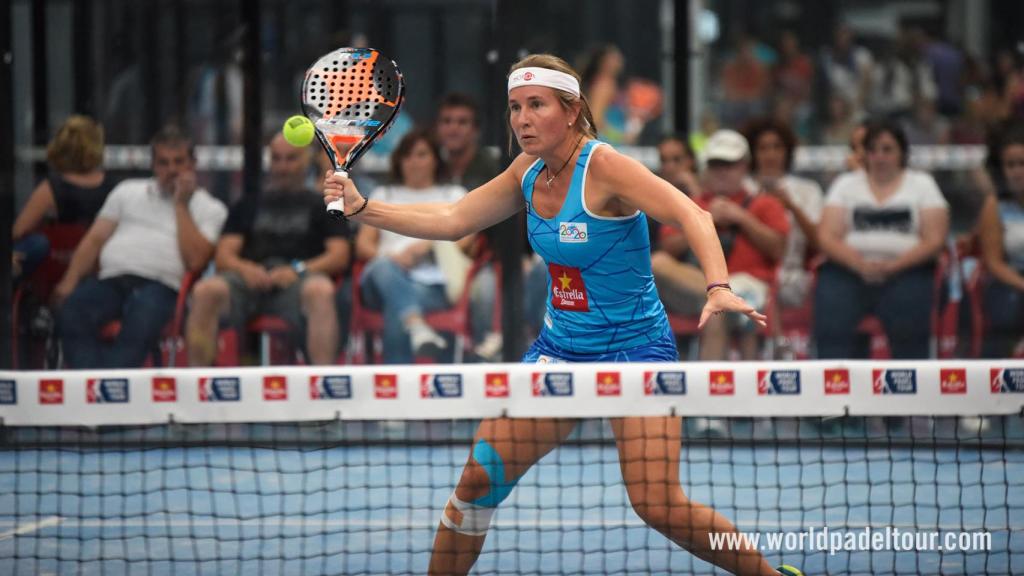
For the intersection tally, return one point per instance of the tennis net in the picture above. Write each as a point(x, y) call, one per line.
point(347, 471)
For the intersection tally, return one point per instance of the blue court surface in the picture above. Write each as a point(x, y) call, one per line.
point(374, 509)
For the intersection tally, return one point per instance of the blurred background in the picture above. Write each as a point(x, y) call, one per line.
point(229, 72)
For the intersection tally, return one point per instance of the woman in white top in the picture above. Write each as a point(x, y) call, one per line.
point(1001, 230)
point(402, 279)
point(881, 229)
point(772, 145)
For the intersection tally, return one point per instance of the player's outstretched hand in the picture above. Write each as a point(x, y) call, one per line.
point(720, 301)
point(337, 186)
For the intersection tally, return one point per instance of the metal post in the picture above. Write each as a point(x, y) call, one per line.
point(40, 95)
point(252, 105)
point(82, 35)
point(6, 181)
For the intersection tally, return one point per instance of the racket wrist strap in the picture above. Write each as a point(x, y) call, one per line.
point(360, 209)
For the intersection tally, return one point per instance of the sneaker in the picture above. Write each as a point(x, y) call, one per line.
point(490, 349)
point(425, 341)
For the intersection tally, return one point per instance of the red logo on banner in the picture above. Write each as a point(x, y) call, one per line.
point(275, 388)
point(164, 389)
point(721, 383)
point(385, 386)
point(51, 391)
point(496, 385)
point(953, 380)
point(837, 381)
point(608, 384)
point(567, 289)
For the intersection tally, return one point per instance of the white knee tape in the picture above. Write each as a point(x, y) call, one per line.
point(475, 520)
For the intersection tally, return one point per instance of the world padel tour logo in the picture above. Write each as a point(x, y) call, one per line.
point(440, 385)
point(837, 381)
point(664, 383)
point(567, 289)
point(552, 383)
point(721, 383)
point(953, 380)
point(572, 232)
point(609, 384)
point(165, 389)
point(51, 391)
point(275, 388)
point(385, 386)
point(106, 390)
point(772, 382)
point(496, 385)
point(8, 392)
point(894, 381)
point(1007, 380)
point(330, 387)
point(220, 389)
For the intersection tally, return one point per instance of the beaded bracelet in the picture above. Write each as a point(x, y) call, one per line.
point(714, 285)
point(361, 208)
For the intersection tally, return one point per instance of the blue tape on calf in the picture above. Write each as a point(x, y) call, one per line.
point(491, 461)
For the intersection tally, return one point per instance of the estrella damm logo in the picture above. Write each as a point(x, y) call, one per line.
point(496, 385)
point(165, 389)
point(773, 382)
point(51, 391)
point(953, 380)
point(837, 381)
point(1007, 380)
point(552, 383)
point(385, 386)
point(572, 232)
point(220, 389)
point(106, 390)
point(609, 384)
point(8, 392)
point(440, 385)
point(275, 388)
point(664, 383)
point(330, 387)
point(894, 381)
point(721, 383)
point(568, 292)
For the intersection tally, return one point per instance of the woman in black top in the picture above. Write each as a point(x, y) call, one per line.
point(72, 193)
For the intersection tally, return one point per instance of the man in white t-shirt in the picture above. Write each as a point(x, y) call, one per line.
point(148, 233)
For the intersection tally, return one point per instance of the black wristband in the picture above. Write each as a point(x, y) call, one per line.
point(361, 208)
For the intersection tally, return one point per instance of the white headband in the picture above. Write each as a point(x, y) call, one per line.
point(544, 77)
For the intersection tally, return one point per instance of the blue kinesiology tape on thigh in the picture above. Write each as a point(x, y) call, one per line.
point(491, 461)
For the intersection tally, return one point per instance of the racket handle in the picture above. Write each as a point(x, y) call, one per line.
point(337, 208)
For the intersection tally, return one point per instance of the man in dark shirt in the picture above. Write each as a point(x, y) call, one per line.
point(276, 256)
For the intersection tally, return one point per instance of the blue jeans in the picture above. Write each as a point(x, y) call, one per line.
point(144, 307)
point(903, 303)
point(482, 301)
point(34, 249)
point(387, 287)
point(535, 296)
point(1004, 312)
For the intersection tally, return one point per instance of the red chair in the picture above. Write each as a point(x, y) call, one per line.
point(368, 324)
point(63, 238)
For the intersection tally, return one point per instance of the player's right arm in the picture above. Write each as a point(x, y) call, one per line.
point(481, 208)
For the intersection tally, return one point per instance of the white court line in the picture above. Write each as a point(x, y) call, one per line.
point(405, 524)
point(30, 527)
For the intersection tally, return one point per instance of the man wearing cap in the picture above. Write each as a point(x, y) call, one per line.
point(752, 229)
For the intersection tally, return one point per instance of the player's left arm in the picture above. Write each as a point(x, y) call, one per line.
point(635, 187)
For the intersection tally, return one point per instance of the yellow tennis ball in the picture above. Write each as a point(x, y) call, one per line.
point(298, 131)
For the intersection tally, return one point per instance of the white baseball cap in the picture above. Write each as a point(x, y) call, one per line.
point(726, 146)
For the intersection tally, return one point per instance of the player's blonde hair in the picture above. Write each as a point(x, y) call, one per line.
point(77, 147)
point(584, 122)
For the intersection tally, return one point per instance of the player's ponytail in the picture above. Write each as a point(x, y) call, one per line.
point(584, 122)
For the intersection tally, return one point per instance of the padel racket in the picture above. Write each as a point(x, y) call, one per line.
point(352, 96)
